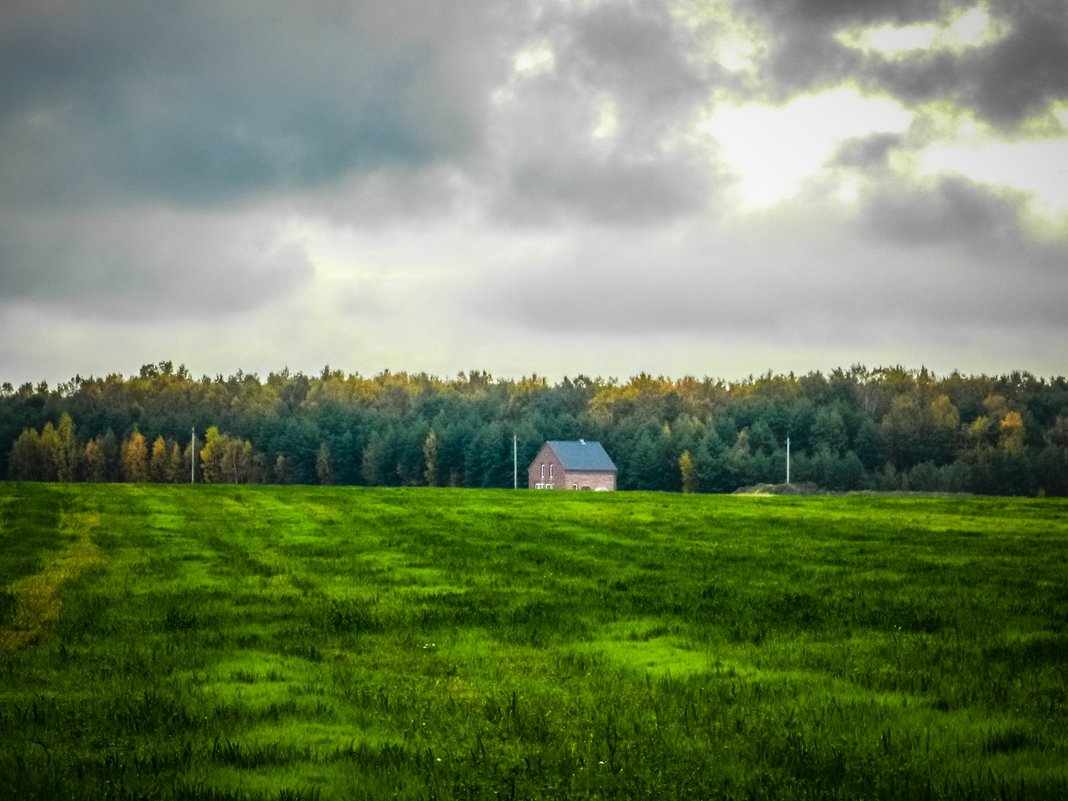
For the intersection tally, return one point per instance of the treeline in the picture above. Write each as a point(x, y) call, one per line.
point(881, 429)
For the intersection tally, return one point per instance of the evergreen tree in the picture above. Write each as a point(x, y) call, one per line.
point(324, 467)
point(65, 449)
point(175, 465)
point(30, 459)
point(282, 472)
point(111, 451)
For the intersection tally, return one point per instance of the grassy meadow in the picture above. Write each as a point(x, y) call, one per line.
point(210, 642)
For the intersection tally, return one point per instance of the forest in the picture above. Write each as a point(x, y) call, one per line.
point(887, 429)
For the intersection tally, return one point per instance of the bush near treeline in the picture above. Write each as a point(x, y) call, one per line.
point(887, 429)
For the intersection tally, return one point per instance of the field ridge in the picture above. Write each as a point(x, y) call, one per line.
point(36, 599)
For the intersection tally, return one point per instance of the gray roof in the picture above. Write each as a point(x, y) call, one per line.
point(581, 455)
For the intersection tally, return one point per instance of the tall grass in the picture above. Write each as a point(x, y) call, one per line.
point(315, 643)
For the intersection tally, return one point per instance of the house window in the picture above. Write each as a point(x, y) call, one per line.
point(543, 471)
point(552, 471)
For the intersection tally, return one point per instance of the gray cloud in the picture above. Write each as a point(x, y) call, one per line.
point(148, 265)
point(635, 60)
point(920, 78)
point(153, 156)
point(963, 258)
point(615, 190)
point(203, 102)
point(639, 52)
point(961, 214)
point(1005, 82)
point(1018, 76)
point(803, 52)
point(857, 12)
point(867, 151)
point(947, 263)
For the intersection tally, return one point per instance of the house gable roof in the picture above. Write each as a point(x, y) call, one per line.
point(582, 455)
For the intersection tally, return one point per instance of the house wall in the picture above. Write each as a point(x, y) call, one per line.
point(553, 470)
point(555, 477)
point(593, 480)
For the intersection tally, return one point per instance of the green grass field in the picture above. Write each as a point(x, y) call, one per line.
point(321, 643)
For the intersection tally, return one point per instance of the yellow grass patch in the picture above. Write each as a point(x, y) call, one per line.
point(37, 602)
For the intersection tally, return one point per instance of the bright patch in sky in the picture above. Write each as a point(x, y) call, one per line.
point(737, 53)
point(728, 40)
point(534, 60)
point(890, 40)
point(773, 150)
point(1061, 113)
point(607, 118)
point(969, 29)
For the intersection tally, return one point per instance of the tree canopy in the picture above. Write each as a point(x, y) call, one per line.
point(886, 428)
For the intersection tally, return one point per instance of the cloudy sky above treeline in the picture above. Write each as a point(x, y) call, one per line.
point(562, 187)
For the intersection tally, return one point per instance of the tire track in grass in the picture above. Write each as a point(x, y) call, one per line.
point(37, 602)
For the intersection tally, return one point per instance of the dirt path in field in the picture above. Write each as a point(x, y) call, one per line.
point(37, 602)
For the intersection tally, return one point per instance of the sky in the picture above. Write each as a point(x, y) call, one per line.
point(715, 188)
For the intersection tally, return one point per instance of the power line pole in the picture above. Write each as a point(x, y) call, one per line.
point(787, 460)
point(193, 456)
point(515, 462)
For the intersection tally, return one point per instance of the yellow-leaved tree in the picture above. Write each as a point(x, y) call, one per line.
point(430, 458)
point(689, 472)
point(228, 460)
point(158, 461)
point(1011, 433)
point(135, 458)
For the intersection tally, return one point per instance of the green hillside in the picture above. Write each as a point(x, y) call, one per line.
point(215, 642)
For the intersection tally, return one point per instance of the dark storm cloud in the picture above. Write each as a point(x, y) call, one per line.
point(152, 151)
point(920, 77)
point(856, 12)
point(1017, 77)
point(1006, 81)
point(803, 52)
point(634, 63)
point(201, 102)
point(804, 58)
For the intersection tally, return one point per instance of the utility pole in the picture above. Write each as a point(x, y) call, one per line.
point(515, 462)
point(193, 456)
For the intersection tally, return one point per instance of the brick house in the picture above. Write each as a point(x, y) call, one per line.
point(577, 465)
